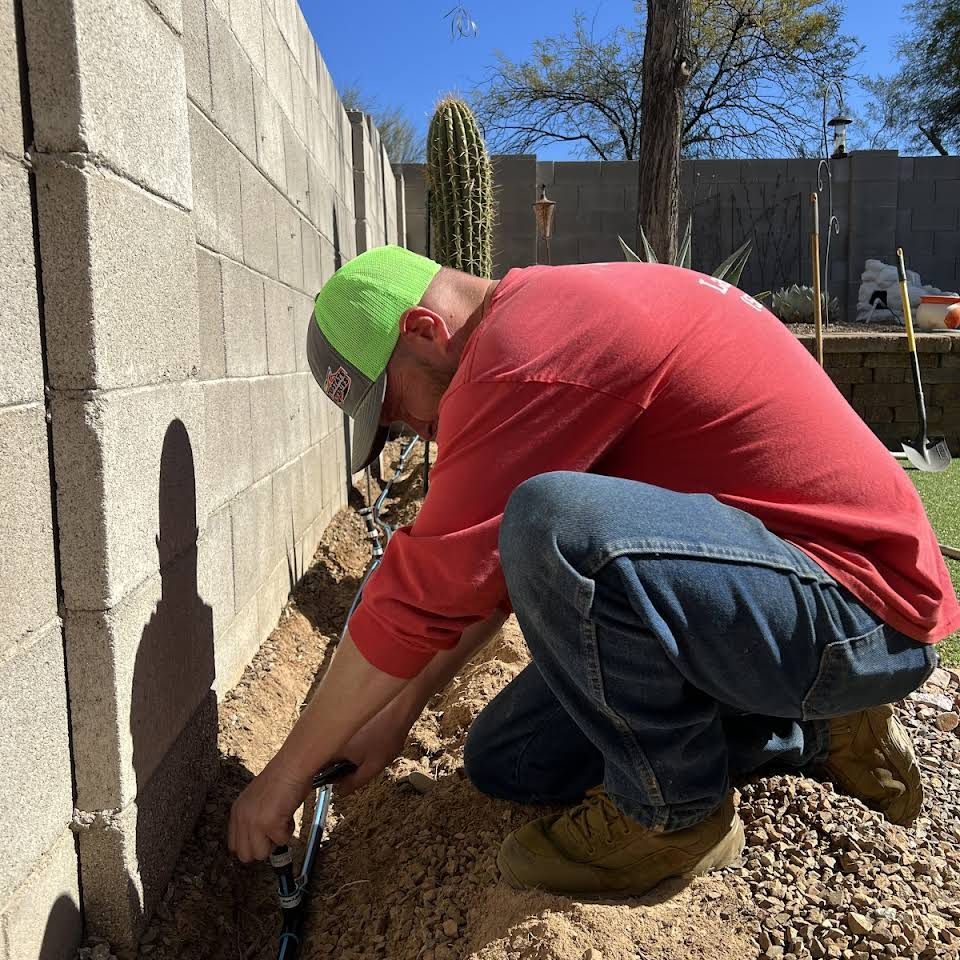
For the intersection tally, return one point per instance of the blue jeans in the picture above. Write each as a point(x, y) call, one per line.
point(676, 642)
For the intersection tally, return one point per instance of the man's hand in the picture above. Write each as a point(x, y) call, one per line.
point(262, 816)
point(376, 745)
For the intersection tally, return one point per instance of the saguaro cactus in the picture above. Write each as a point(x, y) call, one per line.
point(461, 189)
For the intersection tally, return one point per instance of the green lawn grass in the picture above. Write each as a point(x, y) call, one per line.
point(941, 496)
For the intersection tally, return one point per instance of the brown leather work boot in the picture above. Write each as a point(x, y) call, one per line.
point(594, 849)
point(871, 758)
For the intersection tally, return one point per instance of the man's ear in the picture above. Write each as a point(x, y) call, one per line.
point(423, 324)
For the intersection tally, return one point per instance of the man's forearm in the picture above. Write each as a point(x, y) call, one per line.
point(444, 666)
point(350, 693)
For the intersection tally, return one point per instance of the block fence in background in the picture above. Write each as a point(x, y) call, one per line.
point(187, 174)
point(881, 200)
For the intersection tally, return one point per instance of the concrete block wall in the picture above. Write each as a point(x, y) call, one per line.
point(881, 200)
point(928, 217)
point(189, 184)
point(39, 891)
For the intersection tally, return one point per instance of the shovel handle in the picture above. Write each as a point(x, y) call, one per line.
point(905, 299)
point(912, 343)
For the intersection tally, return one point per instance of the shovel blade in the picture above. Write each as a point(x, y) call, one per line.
point(931, 455)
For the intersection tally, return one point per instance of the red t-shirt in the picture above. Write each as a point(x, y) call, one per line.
point(662, 375)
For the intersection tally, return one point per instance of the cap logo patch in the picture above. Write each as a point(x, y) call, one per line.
point(337, 385)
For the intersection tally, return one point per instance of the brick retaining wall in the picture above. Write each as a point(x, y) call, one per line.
point(873, 372)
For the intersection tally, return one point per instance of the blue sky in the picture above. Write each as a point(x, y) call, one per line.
point(402, 53)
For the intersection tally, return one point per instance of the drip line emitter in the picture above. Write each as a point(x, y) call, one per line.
point(292, 890)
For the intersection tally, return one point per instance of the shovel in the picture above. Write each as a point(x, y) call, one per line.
point(925, 453)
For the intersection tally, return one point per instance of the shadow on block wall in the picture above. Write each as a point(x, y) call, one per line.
point(62, 931)
point(173, 708)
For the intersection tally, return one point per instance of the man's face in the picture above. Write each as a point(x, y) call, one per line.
point(418, 373)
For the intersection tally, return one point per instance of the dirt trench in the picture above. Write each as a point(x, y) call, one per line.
point(410, 876)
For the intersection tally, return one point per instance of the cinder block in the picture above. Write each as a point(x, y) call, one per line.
point(210, 315)
point(137, 674)
point(216, 178)
point(288, 507)
point(288, 240)
point(259, 220)
point(116, 262)
point(269, 119)
point(215, 572)
point(281, 349)
point(882, 393)
point(913, 192)
point(229, 451)
point(255, 549)
point(43, 918)
point(196, 52)
point(21, 377)
point(297, 405)
point(303, 315)
point(312, 269)
point(28, 598)
point(332, 478)
point(945, 394)
point(299, 95)
point(295, 155)
point(936, 168)
point(244, 328)
point(275, 590)
point(127, 857)
point(11, 118)
point(874, 165)
point(35, 789)
point(947, 192)
point(324, 416)
point(321, 198)
point(246, 19)
point(277, 62)
point(286, 14)
point(268, 411)
point(95, 76)
point(309, 68)
point(311, 465)
point(111, 456)
point(935, 216)
point(236, 647)
point(232, 84)
point(316, 128)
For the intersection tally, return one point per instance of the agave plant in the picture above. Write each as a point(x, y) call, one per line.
point(729, 271)
point(795, 305)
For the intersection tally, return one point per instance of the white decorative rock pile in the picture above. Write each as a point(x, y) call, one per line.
point(880, 277)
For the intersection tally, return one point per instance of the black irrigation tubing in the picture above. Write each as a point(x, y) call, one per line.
point(292, 890)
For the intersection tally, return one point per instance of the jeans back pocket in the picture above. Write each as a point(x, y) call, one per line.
point(877, 667)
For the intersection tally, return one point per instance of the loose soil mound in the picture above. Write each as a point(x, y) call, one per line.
point(411, 876)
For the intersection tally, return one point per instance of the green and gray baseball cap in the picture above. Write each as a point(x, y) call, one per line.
point(353, 331)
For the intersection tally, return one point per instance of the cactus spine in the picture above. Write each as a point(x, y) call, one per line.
point(461, 185)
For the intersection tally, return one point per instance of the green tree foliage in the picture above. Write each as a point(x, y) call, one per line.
point(400, 138)
point(919, 107)
point(757, 67)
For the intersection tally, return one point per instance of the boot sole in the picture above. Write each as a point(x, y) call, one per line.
point(724, 853)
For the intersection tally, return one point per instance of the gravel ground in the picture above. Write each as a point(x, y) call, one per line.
point(409, 874)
